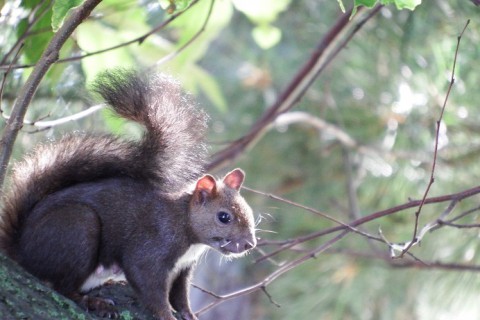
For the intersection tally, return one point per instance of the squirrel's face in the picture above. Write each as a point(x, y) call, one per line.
point(219, 215)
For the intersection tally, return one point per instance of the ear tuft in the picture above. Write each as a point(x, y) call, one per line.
point(234, 179)
point(205, 189)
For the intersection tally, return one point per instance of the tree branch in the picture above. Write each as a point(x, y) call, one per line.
point(322, 55)
point(138, 40)
point(49, 56)
point(435, 152)
point(277, 273)
point(289, 243)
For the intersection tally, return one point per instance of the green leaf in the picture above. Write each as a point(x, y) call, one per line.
point(366, 3)
point(407, 4)
point(266, 36)
point(191, 22)
point(400, 4)
point(118, 26)
point(61, 9)
point(34, 46)
point(262, 12)
point(104, 37)
point(113, 123)
point(211, 89)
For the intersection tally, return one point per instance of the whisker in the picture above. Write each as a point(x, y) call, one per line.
point(264, 216)
point(264, 230)
point(225, 244)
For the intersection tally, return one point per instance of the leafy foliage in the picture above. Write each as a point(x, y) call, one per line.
point(60, 10)
point(400, 4)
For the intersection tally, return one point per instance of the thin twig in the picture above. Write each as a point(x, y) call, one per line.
point(427, 265)
point(458, 217)
point(435, 152)
point(138, 40)
point(459, 226)
point(312, 210)
point(175, 53)
point(289, 243)
point(4, 81)
point(277, 273)
point(216, 296)
point(33, 18)
point(269, 296)
point(426, 229)
point(73, 117)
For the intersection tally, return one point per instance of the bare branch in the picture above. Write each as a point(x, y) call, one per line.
point(435, 152)
point(73, 117)
point(323, 54)
point(459, 226)
point(4, 81)
point(277, 273)
point(192, 39)
point(289, 243)
point(264, 289)
point(428, 265)
point(49, 56)
point(461, 215)
point(314, 211)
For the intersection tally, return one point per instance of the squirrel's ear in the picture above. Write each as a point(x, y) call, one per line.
point(234, 179)
point(205, 189)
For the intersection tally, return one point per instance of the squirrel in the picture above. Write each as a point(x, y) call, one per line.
point(95, 208)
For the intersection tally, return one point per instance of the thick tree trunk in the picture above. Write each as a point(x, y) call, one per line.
point(22, 296)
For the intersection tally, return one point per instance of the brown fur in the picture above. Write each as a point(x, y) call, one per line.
point(90, 203)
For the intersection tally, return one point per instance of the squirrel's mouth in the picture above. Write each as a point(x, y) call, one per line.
point(235, 247)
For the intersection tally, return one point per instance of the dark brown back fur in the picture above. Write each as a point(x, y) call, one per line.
point(170, 155)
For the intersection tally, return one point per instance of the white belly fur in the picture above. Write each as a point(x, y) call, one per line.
point(191, 256)
point(102, 275)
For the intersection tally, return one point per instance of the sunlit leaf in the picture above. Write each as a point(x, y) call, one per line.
point(190, 23)
point(34, 46)
point(366, 3)
point(61, 10)
point(265, 11)
point(104, 38)
point(211, 89)
point(407, 4)
point(266, 36)
point(114, 123)
point(400, 4)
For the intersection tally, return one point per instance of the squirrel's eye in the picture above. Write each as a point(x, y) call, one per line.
point(224, 217)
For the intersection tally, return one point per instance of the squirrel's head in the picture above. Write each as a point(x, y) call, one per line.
point(219, 215)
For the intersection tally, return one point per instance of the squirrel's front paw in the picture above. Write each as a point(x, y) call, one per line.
point(102, 307)
point(165, 315)
point(187, 315)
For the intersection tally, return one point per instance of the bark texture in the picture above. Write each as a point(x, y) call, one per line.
point(22, 296)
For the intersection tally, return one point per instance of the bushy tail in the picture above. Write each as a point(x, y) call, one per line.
point(170, 155)
point(173, 145)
